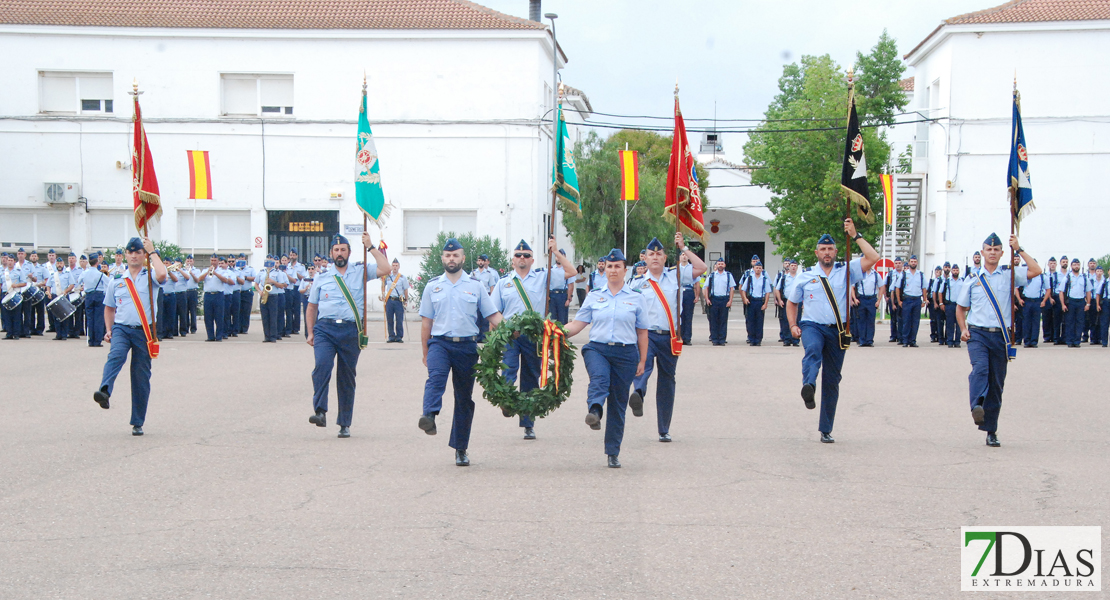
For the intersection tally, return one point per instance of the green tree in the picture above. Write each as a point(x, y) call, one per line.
point(431, 266)
point(800, 160)
point(600, 226)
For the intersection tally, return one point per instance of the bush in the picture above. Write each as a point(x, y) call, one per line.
point(432, 265)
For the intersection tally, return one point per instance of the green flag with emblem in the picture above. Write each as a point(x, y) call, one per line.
point(564, 178)
point(368, 181)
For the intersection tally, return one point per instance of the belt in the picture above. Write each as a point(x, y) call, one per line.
point(129, 326)
point(666, 332)
point(687, 287)
point(448, 338)
point(340, 321)
point(1031, 298)
point(617, 344)
point(833, 325)
point(557, 291)
point(986, 329)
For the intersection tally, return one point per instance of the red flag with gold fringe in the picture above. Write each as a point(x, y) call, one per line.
point(683, 193)
point(148, 205)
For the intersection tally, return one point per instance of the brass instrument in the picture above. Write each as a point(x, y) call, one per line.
point(266, 289)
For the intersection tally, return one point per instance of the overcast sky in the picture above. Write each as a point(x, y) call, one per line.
point(626, 54)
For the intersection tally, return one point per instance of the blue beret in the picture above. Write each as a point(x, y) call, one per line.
point(947, 264)
point(480, 257)
point(993, 240)
point(913, 257)
point(338, 239)
point(655, 244)
point(615, 255)
point(83, 257)
point(523, 245)
point(1075, 261)
point(134, 245)
point(451, 245)
point(826, 240)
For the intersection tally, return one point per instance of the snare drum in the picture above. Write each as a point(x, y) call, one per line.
point(76, 298)
point(61, 308)
point(36, 295)
point(13, 300)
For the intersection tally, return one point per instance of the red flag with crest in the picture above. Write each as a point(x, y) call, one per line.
point(148, 205)
point(683, 193)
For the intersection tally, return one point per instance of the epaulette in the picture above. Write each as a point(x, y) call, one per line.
point(538, 270)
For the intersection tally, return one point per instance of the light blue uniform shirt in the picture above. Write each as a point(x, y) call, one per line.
point(248, 285)
point(119, 269)
point(119, 298)
point(719, 284)
point(93, 280)
point(279, 276)
point(895, 280)
point(190, 283)
point(915, 282)
point(974, 297)
point(786, 284)
point(808, 290)
point(327, 294)
point(212, 284)
point(1078, 288)
point(558, 280)
point(758, 287)
point(56, 282)
point(1103, 289)
point(233, 274)
point(488, 277)
point(11, 278)
point(1035, 287)
point(506, 299)
point(870, 284)
point(596, 280)
point(454, 307)
point(1096, 285)
point(614, 319)
point(952, 292)
point(399, 289)
point(1056, 282)
point(1092, 282)
point(656, 314)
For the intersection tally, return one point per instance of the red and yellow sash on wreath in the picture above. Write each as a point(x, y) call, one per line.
point(151, 342)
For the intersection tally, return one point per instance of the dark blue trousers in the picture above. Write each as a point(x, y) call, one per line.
point(1103, 323)
point(1075, 319)
point(168, 324)
point(951, 327)
point(13, 322)
point(822, 352)
point(942, 324)
point(988, 374)
point(865, 315)
point(718, 319)
point(292, 311)
point(1048, 316)
point(214, 315)
point(520, 355)
point(231, 314)
point(611, 370)
point(62, 327)
point(456, 359)
point(335, 345)
point(129, 339)
point(755, 320)
point(94, 316)
point(191, 300)
point(1019, 325)
point(659, 353)
point(269, 319)
point(29, 315)
point(38, 312)
point(395, 318)
point(181, 327)
point(1059, 321)
point(557, 305)
point(246, 303)
point(1094, 317)
point(1031, 321)
point(895, 321)
point(280, 302)
point(687, 315)
point(911, 319)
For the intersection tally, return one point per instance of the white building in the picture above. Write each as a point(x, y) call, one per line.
point(458, 97)
point(964, 77)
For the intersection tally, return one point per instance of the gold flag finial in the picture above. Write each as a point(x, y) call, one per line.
point(364, 82)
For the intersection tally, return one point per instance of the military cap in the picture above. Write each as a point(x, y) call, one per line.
point(338, 239)
point(826, 240)
point(563, 252)
point(978, 254)
point(480, 257)
point(720, 260)
point(755, 257)
point(522, 245)
point(396, 262)
point(913, 257)
point(1075, 261)
point(993, 240)
point(451, 245)
point(655, 244)
point(1052, 259)
point(615, 255)
point(947, 264)
point(83, 257)
point(118, 251)
point(134, 245)
point(937, 268)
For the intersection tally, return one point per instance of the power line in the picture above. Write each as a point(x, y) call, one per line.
point(716, 120)
point(744, 130)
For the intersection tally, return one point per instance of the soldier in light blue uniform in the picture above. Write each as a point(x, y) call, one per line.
point(1075, 298)
point(77, 324)
point(520, 353)
point(246, 294)
point(949, 293)
point(596, 278)
point(893, 282)
point(124, 321)
point(783, 286)
point(983, 326)
point(756, 293)
point(559, 294)
point(488, 277)
point(167, 319)
point(94, 282)
point(822, 325)
point(689, 297)
point(661, 314)
point(449, 308)
point(719, 288)
point(1030, 304)
point(57, 284)
point(231, 298)
point(1102, 297)
point(296, 271)
point(269, 310)
point(1095, 279)
point(13, 280)
point(617, 351)
point(911, 295)
point(191, 292)
point(334, 328)
point(397, 286)
point(936, 316)
point(39, 310)
point(867, 293)
point(214, 281)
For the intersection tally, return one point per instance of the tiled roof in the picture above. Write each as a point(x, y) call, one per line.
point(1029, 11)
point(261, 14)
point(906, 84)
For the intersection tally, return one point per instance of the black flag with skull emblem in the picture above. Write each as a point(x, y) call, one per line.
point(853, 177)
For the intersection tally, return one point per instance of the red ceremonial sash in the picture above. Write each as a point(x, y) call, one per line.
point(151, 343)
point(676, 342)
point(553, 336)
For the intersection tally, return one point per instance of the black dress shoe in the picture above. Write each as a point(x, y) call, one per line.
point(807, 395)
point(137, 430)
point(826, 438)
point(978, 414)
point(101, 397)
point(344, 431)
point(427, 423)
point(613, 462)
point(320, 419)
point(593, 419)
point(665, 437)
point(461, 459)
point(400, 341)
point(992, 440)
point(636, 403)
point(506, 411)
point(529, 433)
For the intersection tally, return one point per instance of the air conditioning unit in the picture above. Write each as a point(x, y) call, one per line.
point(61, 193)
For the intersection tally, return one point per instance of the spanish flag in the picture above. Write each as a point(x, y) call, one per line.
point(630, 175)
point(888, 198)
point(200, 176)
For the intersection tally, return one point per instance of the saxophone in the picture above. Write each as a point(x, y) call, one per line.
point(266, 289)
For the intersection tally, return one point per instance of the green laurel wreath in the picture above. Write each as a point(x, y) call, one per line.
point(537, 403)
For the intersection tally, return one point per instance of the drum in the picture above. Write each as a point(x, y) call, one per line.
point(13, 300)
point(77, 299)
point(36, 295)
point(61, 308)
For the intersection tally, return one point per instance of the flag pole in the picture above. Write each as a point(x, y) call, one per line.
point(366, 230)
point(625, 203)
point(848, 215)
point(146, 231)
point(1013, 230)
point(678, 249)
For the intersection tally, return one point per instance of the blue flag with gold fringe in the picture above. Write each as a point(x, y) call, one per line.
point(1017, 179)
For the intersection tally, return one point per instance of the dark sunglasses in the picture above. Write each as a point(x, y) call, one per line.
point(523, 255)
